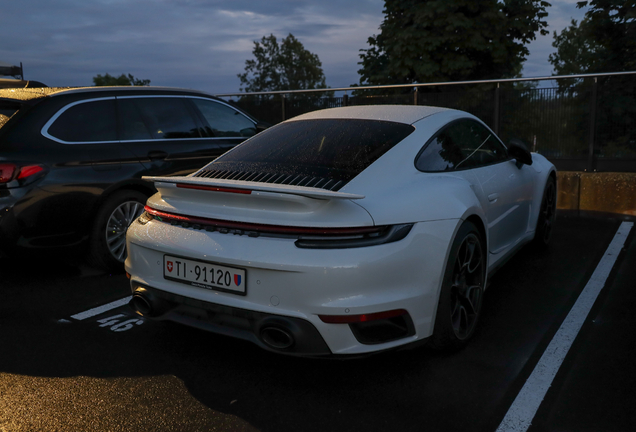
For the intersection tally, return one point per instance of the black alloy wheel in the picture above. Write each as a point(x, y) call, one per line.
point(467, 287)
point(462, 291)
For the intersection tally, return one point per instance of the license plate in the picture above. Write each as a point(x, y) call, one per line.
point(204, 274)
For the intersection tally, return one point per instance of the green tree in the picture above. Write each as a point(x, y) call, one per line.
point(604, 41)
point(451, 40)
point(122, 80)
point(284, 66)
point(575, 51)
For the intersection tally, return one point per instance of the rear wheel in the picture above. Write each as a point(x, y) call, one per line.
point(547, 215)
point(108, 237)
point(462, 291)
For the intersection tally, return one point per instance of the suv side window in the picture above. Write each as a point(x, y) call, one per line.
point(463, 144)
point(224, 121)
point(92, 121)
point(144, 118)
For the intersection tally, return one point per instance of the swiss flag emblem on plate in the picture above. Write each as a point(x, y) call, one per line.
point(169, 266)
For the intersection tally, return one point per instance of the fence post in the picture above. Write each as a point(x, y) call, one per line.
point(593, 103)
point(282, 103)
point(415, 97)
point(345, 100)
point(496, 113)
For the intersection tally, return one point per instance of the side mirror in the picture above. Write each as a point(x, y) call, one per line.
point(518, 150)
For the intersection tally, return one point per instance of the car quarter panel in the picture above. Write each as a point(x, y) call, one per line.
point(396, 192)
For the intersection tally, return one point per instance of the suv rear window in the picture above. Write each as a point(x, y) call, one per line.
point(91, 121)
point(330, 149)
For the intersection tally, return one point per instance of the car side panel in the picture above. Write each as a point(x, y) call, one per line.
point(506, 193)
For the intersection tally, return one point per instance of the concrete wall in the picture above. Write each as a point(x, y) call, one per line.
point(603, 192)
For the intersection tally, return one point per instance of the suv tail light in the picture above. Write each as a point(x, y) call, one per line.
point(7, 172)
point(10, 172)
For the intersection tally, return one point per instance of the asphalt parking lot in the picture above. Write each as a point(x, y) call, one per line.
point(74, 356)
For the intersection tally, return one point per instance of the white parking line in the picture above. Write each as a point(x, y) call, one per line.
point(101, 309)
point(525, 406)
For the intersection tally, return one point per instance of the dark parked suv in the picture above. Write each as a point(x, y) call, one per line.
point(71, 160)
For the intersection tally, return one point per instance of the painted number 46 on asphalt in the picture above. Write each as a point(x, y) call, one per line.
point(115, 325)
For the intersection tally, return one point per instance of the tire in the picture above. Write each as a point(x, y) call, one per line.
point(462, 291)
point(547, 215)
point(108, 236)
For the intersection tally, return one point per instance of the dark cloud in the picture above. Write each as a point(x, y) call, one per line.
point(194, 43)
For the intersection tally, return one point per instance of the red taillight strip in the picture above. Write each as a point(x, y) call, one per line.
point(214, 188)
point(276, 229)
point(350, 319)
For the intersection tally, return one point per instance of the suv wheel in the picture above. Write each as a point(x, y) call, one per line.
point(108, 236)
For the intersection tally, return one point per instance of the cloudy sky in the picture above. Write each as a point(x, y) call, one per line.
point(200, 44)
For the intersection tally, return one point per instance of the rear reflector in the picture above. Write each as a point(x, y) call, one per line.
point(350, 319)
point(214, 189)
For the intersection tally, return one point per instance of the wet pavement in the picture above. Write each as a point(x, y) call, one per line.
point(114, 371)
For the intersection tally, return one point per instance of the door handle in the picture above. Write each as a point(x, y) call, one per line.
point(157, 155)
point(493, 197)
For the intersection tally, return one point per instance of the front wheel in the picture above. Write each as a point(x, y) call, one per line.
point(462, 291)
point(547, 215)
point(108, 237)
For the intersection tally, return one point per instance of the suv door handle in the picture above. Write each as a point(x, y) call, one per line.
point(493, 197)
point(157, 155)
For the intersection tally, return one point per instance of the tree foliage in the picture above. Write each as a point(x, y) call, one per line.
point(122, 80)
point(604, 41)
point(284, 66)
point(451, 40)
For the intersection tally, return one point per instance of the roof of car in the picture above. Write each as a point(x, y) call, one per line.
point(407, 114)
point(36, 93)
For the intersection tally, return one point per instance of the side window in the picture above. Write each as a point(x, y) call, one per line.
point(145, 118)
point(464, 144)
point(92, 121)
point(223, 121)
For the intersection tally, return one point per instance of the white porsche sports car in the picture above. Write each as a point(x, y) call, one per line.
point(342, 232)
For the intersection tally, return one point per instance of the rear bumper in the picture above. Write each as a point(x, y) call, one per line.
point(277, 333)
point(300, 286)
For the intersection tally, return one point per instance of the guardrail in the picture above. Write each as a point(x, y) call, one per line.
point(585, 123)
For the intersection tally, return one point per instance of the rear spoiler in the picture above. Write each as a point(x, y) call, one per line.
point(246, 187)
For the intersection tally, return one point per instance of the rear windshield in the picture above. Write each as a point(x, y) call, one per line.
point(332, 149)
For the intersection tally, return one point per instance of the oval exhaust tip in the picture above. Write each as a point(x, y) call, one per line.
point(141, 304)
point(277, 338)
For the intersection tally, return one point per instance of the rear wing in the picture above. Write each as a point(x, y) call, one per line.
point(246, 187)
